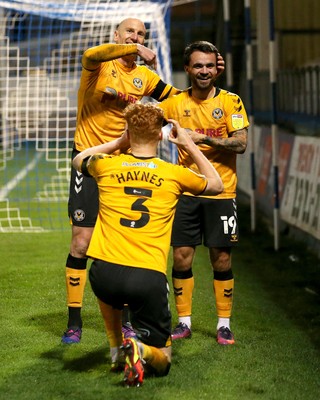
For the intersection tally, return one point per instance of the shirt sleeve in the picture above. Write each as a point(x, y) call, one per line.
point(95, 164)
point(191, 181)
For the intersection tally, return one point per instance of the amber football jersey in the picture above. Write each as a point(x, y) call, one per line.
point(137, 199)
point(215, 117)
point(104, 93)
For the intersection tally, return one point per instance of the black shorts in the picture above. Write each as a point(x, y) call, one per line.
point(146, 293)
point(83, 205)
point(199, 220)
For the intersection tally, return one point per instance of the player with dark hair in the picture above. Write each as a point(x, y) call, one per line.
point(218, 124)
point(110, 80)
point(138, 193)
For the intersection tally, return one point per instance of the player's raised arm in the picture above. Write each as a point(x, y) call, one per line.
point(94, 56)
point(108, 148)
point(181, 138)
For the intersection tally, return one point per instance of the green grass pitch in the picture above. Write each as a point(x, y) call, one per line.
point(275, 320)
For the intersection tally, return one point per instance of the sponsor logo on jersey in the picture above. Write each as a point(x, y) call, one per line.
point(122, 99)
point(137, 83)
point(79, 215)
point(140, 164)
point(212, 132)
point(237, 121)
point(217, 113)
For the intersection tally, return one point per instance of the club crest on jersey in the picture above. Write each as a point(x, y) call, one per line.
point(217, 113)
point(137, 83)
point(79, 215)
point(237, 121)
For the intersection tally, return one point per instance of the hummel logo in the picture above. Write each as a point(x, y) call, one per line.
point(74, 281)
point(177, 291)
point(79, 179)
point(227, 292)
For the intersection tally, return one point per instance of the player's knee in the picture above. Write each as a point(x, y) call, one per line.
point(220, 260)
point(79, 246)
point(182, 258)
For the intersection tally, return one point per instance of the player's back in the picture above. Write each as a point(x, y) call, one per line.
point(137, 200)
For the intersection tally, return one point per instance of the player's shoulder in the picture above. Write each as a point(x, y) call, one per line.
point(146, 70)
point(179, 97)
point(99, 156)
point(227, 94)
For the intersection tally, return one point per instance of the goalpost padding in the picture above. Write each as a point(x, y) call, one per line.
point(41, 45)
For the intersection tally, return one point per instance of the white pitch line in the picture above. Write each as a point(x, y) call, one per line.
point(18, 178)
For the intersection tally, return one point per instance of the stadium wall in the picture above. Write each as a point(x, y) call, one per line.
point(299, 182)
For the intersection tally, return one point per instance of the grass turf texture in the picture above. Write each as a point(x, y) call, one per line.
point(276, 324)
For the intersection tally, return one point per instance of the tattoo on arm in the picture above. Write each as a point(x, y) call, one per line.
point(236, 143)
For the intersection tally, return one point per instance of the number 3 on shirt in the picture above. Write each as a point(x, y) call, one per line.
point(137, 206)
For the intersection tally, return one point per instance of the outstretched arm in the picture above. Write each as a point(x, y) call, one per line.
point(120, 143)
point(93, 56)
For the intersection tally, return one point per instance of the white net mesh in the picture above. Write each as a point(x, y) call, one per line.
point(41, 44)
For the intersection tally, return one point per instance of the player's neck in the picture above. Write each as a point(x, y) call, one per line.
point(145, 151)
point(203, 94)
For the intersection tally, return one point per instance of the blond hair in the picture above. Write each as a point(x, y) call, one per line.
point(144, 121)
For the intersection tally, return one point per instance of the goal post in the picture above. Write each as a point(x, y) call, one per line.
point(41, 45)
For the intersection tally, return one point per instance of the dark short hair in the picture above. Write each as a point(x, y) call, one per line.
point(201, 45)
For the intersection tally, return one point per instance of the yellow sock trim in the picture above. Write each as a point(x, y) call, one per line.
point(76, 282)
point(183, 289)
point(112, 319)
point(224, 297)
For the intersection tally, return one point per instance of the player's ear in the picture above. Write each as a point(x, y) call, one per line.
point(116, 36)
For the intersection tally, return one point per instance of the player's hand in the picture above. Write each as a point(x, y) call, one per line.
point(179, 136)
point(147, 55)
point(220, 65)
point(124, 142)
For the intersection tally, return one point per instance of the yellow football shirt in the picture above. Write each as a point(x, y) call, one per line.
point(104, 93)
point(214, 117)
point(137, 199)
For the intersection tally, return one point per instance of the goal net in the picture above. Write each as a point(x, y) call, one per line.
point(41, 44)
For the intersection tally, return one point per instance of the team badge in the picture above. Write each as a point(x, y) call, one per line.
point(237, 121)
point(137, 83)
point(217, 113)
point(79, 215)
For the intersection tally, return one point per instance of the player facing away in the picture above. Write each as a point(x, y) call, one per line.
point(110, 80)
point(138, 193)
point(218, 123)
